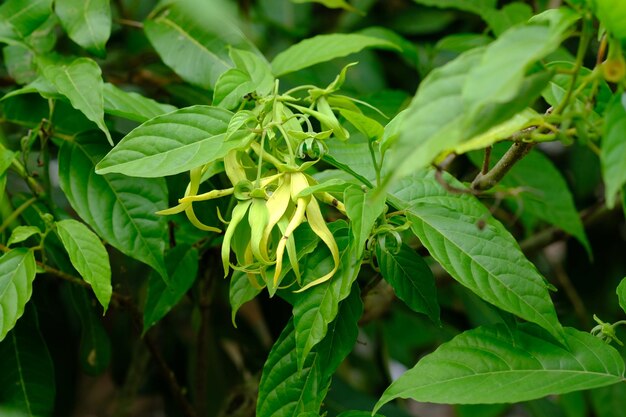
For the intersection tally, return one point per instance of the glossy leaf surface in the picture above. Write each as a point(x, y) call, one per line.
point(494, 364)
point(121, 210)
point(88, 23)
point(17, 272)
point(88, 256)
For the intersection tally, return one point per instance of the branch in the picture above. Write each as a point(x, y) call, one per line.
point(485, 181)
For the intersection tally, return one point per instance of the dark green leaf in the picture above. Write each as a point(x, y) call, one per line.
point(21, 233)
point(193, 40)
point(496, 364)
point(95, 345)
point(81, 82)
point(27, 384)
point(17, 272)
point(621, 294)
point(411, 279)
point(487, 260)
point(182, 267)
point(609, 401)
point(119, 209)
point(173, 143)
point(332, 4)
point(241, 291)
point(88, 256)
point(323, 48)
point(131, 105)
point(478, 7)
point(88, 23)
point(613, 152)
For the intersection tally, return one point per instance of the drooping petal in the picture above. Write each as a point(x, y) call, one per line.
point(239, 212)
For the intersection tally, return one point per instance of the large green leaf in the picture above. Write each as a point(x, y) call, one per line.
point(411, 279)
point(495, 364)
point(317, 307)
point(182, 268)
point(81, 82)
point(621, 294)
point(544, 192)
point(192, 40)
point(119, 209)
point(322, 48)
point(486, 259)
point(88, 23)
point(17, 272)
point(131, 105)
point(173, 143)
point(612, 14)
point(20, 63)
point(479, 7)
point(88, 256)
point(286, 390)
point(27, 384)
point(241, 291)
point(613, 152)
point(22, 18)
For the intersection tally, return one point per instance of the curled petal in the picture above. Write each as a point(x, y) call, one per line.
point(239, 212)
point(296, 220)
point(258, 218)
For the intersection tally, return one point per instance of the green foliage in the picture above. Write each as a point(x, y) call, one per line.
point(381, 184)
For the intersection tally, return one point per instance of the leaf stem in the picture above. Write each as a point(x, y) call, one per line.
point(16, 213)
point(516, 152)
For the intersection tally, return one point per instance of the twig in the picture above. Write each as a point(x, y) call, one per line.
point(16, 213)
point(516, 152)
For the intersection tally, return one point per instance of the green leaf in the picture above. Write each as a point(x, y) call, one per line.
point(479, 7)
point(81, 82)
point(27, 383)
point(366, 125)
point(411, 279)
point(173, 143)
point(21, 233)
point(609, 401)
point(286, 390)
point(612, 14)
point(317, 307)
point(121, 210)
point(621, 294)
point(192, 40)
point(507, 17)
point(182, 268)
point(241, 291)
point(613, 152)
point(88, 256)
point(88, 23)
point(331, 4)
point(131, 105)
point(20, 64)
point(23, 18)
point(486, 260)
point(323, 48)
point(95, 345)
point(17, 272)
point(544, 192)
point(496, 364)
point(362, 208)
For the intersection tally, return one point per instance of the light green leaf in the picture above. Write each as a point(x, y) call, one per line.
point(621, 294)
point(411, 279)
point(21, 233)
point(88, 23)
point(323, 48)
point(317, 307)
point(192, 40)
point(81, 82)
point(182, 268)
point(257, 67)
point(131, 105)
point(241, 291)
point(285, 390)
point(121, 210)
point(613, 152)
point(173, 143)
point(331, 4)
point(23, 18)
point(88, 256)
point(544, 193)
point(495, 364)
point(20, 64)
point(612, 14)
point(27, 383)
point(362, 208)
point(230, 88)
point(479, 7)
point(486, 260)
point(17, 272)
point(507, 17)
point(366, 125)
point(95, 345)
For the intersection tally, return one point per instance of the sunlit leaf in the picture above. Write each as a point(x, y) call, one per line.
point(494, 364)
point(88, 256)
point(17, 272)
